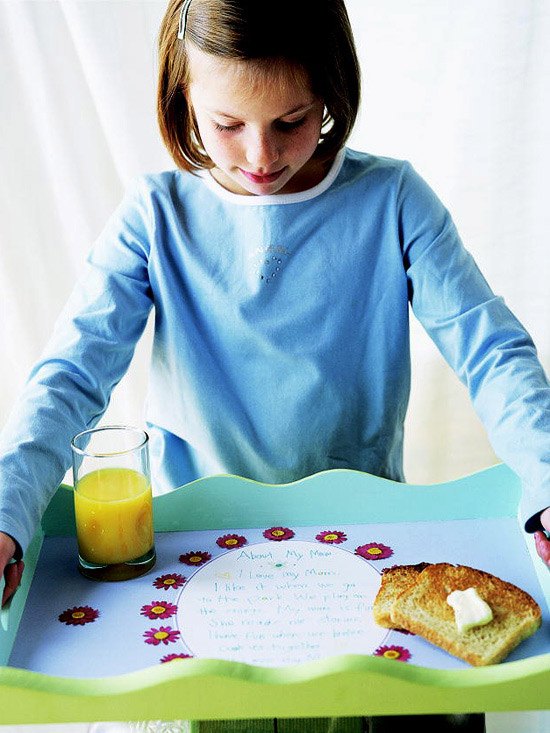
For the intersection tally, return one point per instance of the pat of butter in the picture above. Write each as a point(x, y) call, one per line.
point(470, 609)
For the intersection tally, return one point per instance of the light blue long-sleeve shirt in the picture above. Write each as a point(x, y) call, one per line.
point(281, 337)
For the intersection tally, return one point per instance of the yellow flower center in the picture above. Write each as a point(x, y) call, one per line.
point(331, 537)
point(277, 533)
point(231, 542)
point(158, 609)
point(374, 551)
point(195, 558)
point(160, 635)
point(169, 581)
point(78, 614)
point(391, 654)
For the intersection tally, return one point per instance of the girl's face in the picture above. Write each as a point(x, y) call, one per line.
point(259, 128)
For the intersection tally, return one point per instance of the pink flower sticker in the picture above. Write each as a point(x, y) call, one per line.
point(162, 635)
point(173, 657)
point(159, 609)
point(374, 551)
point(171, 580)
point(278, 534)
point(331, 537)
point(231, 541)
point(79, 615)
point(195, 558)
point(398, 653)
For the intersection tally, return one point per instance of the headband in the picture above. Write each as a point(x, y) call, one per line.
point(183, 18)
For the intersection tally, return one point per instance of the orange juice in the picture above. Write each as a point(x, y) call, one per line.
point(114, 516)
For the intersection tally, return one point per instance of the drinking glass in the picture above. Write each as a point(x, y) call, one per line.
point(113, 502)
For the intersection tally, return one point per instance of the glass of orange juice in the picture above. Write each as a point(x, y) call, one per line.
point(113, 502)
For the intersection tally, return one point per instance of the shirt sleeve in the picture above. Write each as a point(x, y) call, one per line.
point(69, 388)
point(480, 338)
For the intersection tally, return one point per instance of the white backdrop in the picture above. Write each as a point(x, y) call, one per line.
point(458, 88)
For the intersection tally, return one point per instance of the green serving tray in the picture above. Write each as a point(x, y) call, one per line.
point(348, 685)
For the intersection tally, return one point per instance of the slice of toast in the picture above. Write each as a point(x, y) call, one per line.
point(394, 581)
point(422, 608)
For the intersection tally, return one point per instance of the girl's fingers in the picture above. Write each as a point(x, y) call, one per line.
point(543, 547)
point(12, 574)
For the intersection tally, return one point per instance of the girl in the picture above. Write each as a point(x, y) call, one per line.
point(280, 265)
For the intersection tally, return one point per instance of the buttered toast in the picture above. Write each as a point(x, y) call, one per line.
point(422, 608)
point(395, 580)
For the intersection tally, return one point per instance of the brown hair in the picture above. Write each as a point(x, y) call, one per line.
point(311, 36)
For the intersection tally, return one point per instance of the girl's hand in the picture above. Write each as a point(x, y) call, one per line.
point(542, 543)
point(12, 571)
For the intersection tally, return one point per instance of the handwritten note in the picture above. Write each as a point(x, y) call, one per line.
point(275, 604)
